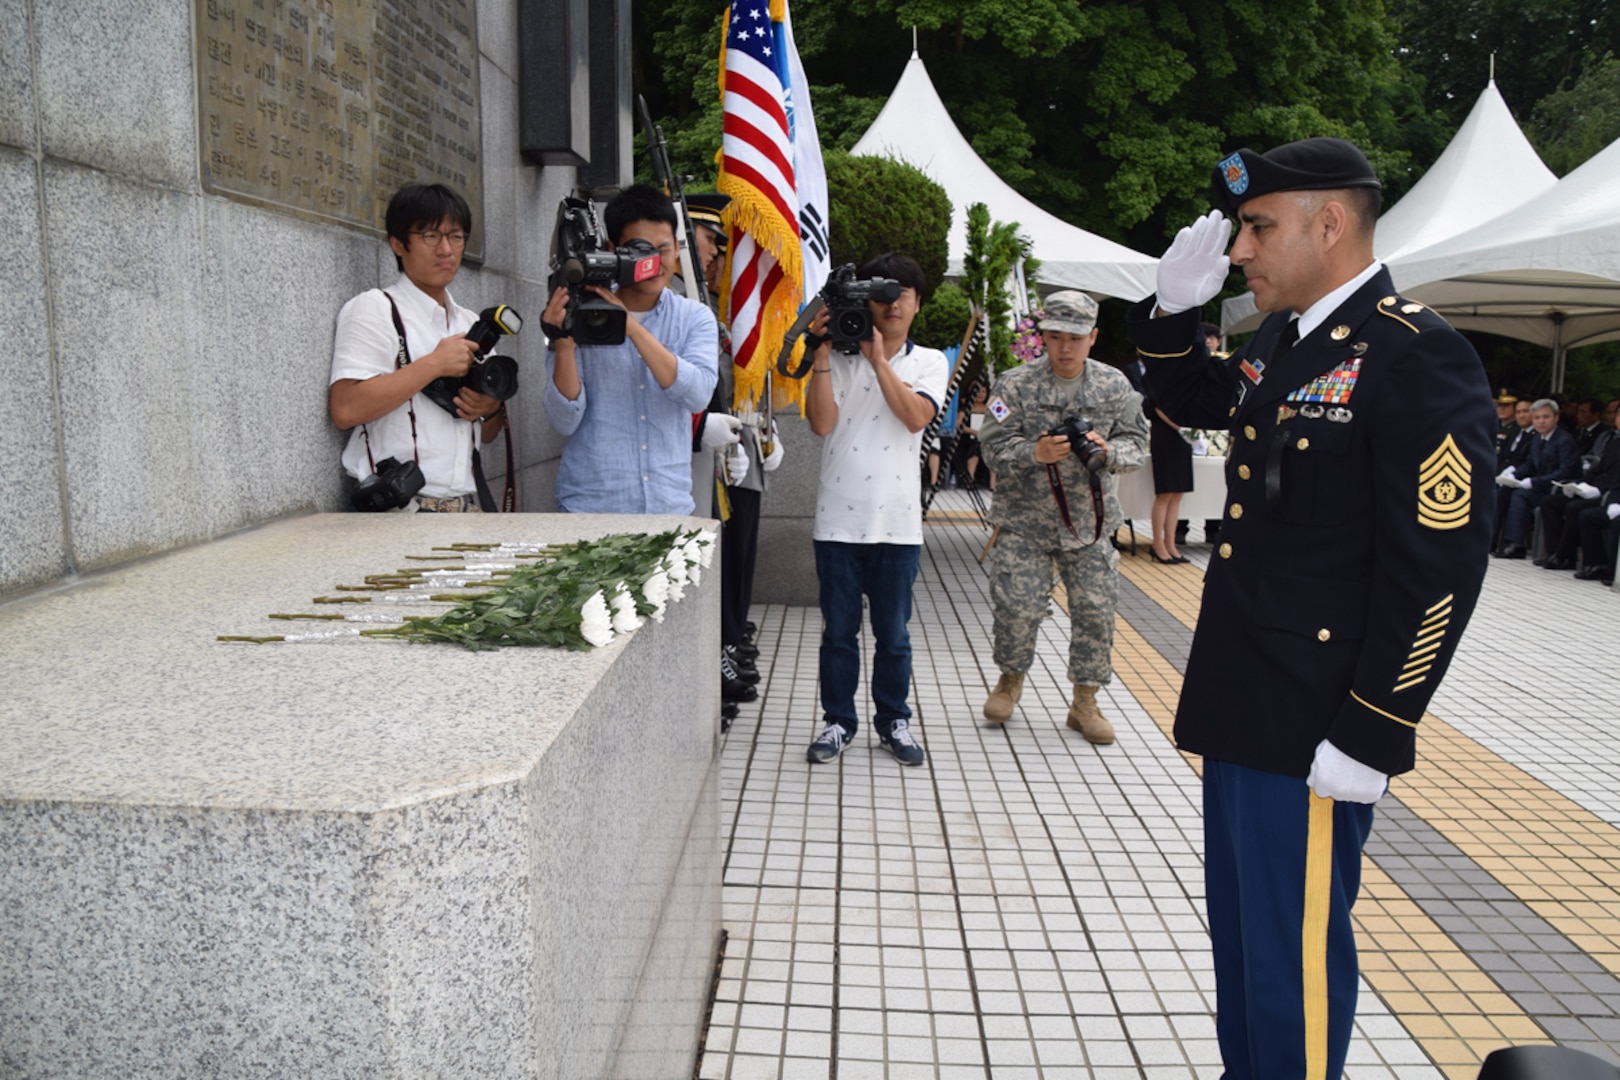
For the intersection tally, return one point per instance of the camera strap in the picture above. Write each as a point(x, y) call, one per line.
point(1055, 481)
point(401, 358)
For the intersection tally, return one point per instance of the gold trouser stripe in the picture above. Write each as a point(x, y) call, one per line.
point(1313, 939)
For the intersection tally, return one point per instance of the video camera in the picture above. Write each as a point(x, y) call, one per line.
point(496, 376)
point(1092, 456)
point(849, 319)
point(581, 256)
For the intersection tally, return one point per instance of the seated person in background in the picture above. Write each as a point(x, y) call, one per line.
point(1560, 511)
point(392, 343)
point(1599, 527)
point(1516, 447)
point(626, 410)
point(1588, 424)
point(1552, 458)
point(1506, 425)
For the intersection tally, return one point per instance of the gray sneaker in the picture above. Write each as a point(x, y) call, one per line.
point(828, 745)
point(899, 742)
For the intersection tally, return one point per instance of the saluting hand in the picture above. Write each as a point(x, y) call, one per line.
point(1194, 267)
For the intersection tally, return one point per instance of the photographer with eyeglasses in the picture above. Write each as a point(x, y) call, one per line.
point(409, 453)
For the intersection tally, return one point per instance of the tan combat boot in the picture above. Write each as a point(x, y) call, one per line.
point(1002, 699)
point(1084, 717)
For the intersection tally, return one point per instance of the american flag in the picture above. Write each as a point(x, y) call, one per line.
point(757, 156)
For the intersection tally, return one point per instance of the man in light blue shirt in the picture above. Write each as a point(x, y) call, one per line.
point(626, 410)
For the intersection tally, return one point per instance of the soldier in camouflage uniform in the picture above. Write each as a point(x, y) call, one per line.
point(1046, 506)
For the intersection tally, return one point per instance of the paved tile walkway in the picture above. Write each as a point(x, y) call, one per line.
point(1028, 905)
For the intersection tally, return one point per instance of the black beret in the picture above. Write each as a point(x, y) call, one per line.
point(706, 209)
point(1306, 165)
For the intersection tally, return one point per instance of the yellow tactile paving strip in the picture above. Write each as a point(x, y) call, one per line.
point(1561, 860)
point(1452, 1008)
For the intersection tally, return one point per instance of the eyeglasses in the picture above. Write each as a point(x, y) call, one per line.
point(432, 237)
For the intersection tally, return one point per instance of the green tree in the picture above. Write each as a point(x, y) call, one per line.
point(1569, 126)
point(877, 205)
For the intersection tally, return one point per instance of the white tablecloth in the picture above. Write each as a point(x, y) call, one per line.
point(1207, 499)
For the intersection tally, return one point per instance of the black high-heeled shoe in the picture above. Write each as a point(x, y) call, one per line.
point(1161, 559)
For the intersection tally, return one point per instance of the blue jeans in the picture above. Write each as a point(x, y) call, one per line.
point(884, 573)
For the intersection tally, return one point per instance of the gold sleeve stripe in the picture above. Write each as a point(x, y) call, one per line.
point(1438, 617)
point(1165, 355)
point(1430, 637)
point(1423, 653)
point(1445, 487)
point(1444, 603)
point(1399, 687)
point(1381, 712)
point(1416, 673)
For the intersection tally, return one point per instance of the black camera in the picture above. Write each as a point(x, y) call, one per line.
point(581, 256)
point(1090, 454)
point(849, 320)
point(389, 487)
point(496, 376)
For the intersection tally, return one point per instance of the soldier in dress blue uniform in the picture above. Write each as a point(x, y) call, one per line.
point(1358, 520)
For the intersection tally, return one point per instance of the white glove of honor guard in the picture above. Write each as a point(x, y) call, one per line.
point(720, 430)
point(737, 463)
point(1613, 510)
point(1194, 267)
point(1587, 491)
point(1336, 775)
point(773, 459)
point(1507, 479)
point(1527, 484)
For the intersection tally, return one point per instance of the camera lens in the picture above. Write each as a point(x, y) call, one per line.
point(496, 376)
point(852, 325)
point(595, 318)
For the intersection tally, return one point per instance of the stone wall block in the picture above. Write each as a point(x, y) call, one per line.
point(32, 545)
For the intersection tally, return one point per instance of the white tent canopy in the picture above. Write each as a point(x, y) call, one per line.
point(915, 128)
point(1547, 272)
point(1488, 168)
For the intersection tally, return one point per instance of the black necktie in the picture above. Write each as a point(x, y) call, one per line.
point(1286, 339)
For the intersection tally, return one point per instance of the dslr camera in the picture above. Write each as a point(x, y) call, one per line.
point(389, 488)
point(496, 376)
point(581, 256)
point(1092, 456)
point(849, 319)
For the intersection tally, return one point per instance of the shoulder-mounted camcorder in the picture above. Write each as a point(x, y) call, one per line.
point(581, 256)
point(849, 318)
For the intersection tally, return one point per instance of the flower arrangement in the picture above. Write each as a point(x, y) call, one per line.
point(575, 596)
point(1026, 343)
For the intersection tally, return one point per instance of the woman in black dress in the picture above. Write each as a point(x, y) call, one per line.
point(1172, 478)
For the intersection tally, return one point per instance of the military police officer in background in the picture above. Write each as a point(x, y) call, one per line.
point(1359, 515)
point(1055, 507)
point(745, 462)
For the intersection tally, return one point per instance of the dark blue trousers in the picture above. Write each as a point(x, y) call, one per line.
point(1281, 871)
point(884, 573)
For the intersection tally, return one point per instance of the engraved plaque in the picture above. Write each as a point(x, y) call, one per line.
point(325, 107)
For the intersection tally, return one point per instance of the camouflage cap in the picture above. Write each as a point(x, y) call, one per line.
point(1069, 312)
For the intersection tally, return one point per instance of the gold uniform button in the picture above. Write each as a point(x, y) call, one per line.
point(1232, 411)
point(1248, 433)
point(1243, 472)
point(1339, 333)
point(1304, 444)
point(1236, 510)
point(1323, 634)
point(1226, 551)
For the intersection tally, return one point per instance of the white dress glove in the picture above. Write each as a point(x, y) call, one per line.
point(1613, 510)
point(1336, 775)
point(1587, 491)
point(737, 463)
point(1526, 484)
point(1194, 267)
point(771, 460)
point(1507, 479)
point(720, 430)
